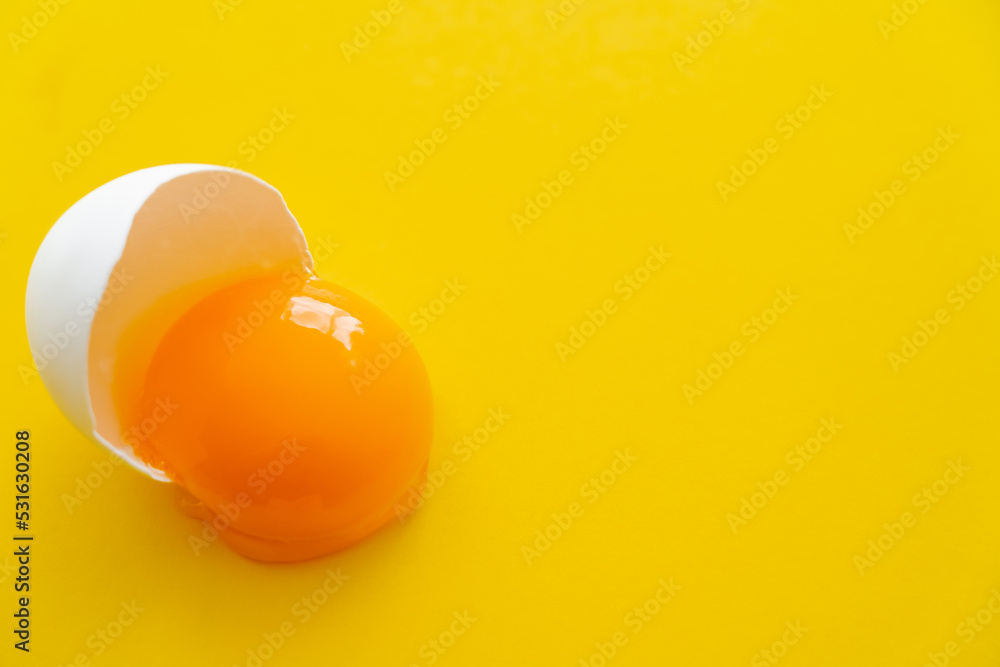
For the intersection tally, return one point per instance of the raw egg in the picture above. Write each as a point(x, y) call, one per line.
point(208, 354)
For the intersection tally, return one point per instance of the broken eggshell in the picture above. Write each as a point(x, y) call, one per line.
point(167, 235)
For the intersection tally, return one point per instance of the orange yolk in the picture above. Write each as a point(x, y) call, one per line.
point(295, 413)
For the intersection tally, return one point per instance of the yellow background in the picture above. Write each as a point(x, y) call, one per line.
point(495, 346)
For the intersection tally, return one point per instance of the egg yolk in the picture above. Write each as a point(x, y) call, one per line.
point(295, 413)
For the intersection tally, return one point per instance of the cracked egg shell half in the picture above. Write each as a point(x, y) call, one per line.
point(175, 319)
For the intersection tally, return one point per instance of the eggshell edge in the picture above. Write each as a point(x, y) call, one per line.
point(71, 273)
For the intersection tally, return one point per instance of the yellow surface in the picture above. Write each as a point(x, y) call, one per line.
point(345, 119)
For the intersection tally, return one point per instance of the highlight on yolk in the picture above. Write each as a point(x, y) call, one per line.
point(293, 408)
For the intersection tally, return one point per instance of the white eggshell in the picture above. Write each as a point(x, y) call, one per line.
point(177, 231)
